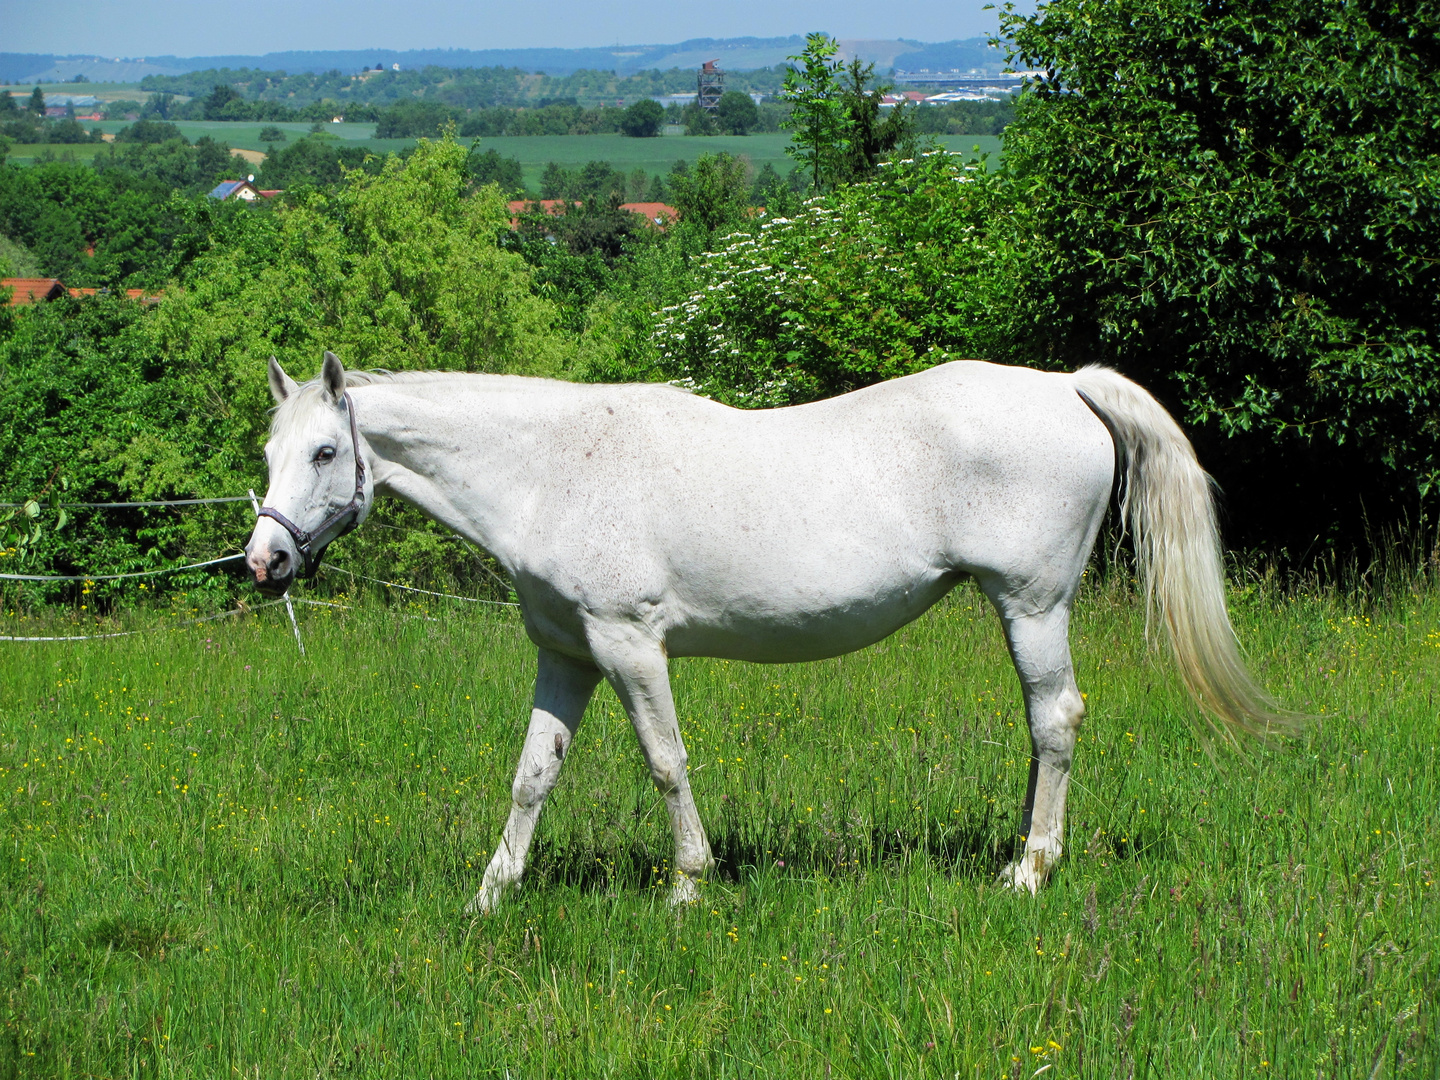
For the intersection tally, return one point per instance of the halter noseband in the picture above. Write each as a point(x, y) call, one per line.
point(304, 541)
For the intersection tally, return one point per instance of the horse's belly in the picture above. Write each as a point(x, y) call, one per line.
point(790, 628)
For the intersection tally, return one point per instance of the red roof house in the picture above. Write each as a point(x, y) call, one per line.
point(32, 290)
point(658, 213)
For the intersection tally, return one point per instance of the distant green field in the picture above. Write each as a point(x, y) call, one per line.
point(103, 91)
point(26, 153)
point(246, 135)
point(533, 151)
point(659, 155)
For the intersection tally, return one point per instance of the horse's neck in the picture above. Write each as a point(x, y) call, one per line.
point(456, 452)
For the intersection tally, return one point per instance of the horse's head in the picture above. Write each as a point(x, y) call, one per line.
point(320, 488)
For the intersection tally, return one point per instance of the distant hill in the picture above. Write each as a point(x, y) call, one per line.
point(734, 54)
point(970, 56)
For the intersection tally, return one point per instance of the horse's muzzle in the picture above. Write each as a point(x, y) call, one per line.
point(273, 572)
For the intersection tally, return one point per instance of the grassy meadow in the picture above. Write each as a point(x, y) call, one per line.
point(224, 859)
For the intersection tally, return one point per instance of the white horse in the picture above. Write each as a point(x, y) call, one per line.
point(639, 522)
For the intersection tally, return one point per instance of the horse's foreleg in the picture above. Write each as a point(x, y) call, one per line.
point(636, 666)
point(1040, 647)
point(562, 690)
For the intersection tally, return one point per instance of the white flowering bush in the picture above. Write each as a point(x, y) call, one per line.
point(874, 281)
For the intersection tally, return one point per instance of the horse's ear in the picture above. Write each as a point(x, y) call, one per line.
point(332, 376)
point(281, 385)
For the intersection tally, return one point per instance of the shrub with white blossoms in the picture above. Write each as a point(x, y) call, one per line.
point(872, 282)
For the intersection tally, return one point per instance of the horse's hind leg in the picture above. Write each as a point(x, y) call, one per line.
point(562, 690)
point(1040, 647)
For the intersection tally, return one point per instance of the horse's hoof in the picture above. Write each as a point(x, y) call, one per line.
point(485, 902)
point(1027, 873)
point(687, 891)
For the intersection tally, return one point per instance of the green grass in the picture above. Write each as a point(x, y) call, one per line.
point(225, 860)
point(26, 153)
point(104, 91)
point(659, 155)
point(533, 151)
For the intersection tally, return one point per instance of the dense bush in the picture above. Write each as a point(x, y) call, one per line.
point(60, 211)
point(882, 280)
point(1237, 204)
point(90, 403)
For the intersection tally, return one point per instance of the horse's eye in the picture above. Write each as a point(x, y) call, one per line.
point(325, 453)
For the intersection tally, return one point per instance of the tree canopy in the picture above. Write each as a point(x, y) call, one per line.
point(1238, 205)
point(643, 119)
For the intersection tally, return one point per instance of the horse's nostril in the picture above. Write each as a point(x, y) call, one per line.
point(279, 565)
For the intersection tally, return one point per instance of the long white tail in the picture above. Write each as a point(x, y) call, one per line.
point(1168, 506)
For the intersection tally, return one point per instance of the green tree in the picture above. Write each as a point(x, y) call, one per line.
point(556, 181)
point(1236, 204)
point(643, 119)
point(868, 135)
point(488, 167)
point(400, 268)
point(597, 181)
point(773, 192)
point(698, 121)
point(737, 114)
point(817, 118)
point(310, 161)
point(37, 102)
point(159, 105)
point(713, 194)
point(224, 102)
point(414, 119)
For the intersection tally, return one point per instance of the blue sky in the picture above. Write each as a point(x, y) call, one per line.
point(190, 28)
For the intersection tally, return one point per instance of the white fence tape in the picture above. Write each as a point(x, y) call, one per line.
point(176, 626)
point(427, 592)
point(286, 599)
point(117, 577)
point(134, 505)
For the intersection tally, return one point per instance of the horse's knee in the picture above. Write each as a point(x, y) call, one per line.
point(1071, 709)
point(1057, 723)
point(531, 787)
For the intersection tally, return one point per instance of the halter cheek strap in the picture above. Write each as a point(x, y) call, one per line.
point(305, 541)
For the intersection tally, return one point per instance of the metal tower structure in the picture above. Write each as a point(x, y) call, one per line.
point(709, 85)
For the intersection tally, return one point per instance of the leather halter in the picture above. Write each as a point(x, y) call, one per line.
point(304, 541)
